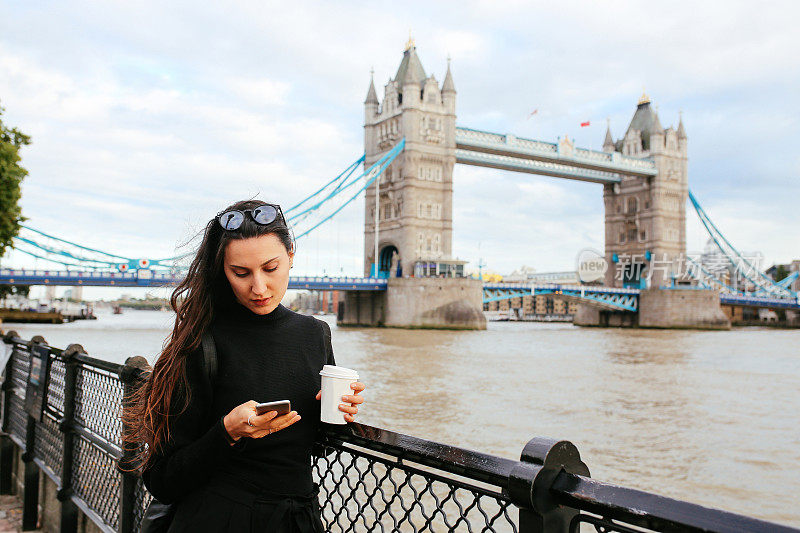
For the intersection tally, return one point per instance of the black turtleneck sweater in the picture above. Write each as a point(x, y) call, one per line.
point(264, 358)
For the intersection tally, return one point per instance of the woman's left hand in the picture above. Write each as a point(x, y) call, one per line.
point(354, 400)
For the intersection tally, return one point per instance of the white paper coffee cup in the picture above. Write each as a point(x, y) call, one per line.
point(336, 382)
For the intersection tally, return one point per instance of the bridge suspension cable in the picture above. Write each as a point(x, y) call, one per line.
point(788, 280)
point(60, 262)
point(371, 174)
point(77, 255)
point(341, 178)
point(65, 252)
point(763, 283)
point(707, 279)
point(65, 241)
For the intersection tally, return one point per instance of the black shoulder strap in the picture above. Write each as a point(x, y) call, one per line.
point(209, 357)
point(326, 330)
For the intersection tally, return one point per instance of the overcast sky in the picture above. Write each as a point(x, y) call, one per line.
point(149, 117)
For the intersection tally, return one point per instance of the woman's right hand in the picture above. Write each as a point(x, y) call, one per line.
point(263, 425)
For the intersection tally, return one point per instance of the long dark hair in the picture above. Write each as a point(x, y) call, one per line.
point(195, 300)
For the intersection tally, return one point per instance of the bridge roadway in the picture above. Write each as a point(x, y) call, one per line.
point(561, 160)
point(618, 299)
point(606, 297)
point(151, 278)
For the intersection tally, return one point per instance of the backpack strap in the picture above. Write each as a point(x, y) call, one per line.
point(209, 357)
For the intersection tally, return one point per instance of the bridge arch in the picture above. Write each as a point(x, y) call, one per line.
point(385, 262)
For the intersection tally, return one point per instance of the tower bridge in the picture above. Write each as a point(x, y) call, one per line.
point(411, 278)
point(644, 176)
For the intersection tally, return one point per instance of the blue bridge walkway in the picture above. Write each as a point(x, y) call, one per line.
point(149, 278)
point(614, 299)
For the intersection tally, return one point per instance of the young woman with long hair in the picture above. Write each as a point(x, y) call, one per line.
point(225, 467)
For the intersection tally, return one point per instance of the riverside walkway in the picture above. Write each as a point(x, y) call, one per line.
point(11, 513)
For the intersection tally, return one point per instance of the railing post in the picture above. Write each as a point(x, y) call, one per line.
point(530, 482)
point(130, 375)
point(30, 490)
point(6, 465)
point(69, 511)
point(6, 444)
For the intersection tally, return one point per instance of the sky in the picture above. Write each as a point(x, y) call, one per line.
point(147, 118)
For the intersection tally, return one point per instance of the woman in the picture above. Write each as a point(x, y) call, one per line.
point(225, 467)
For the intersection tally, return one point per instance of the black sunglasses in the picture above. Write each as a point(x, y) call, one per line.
point(263, 214)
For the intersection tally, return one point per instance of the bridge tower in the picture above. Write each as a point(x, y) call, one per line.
point(416, 192)
point(645, 217)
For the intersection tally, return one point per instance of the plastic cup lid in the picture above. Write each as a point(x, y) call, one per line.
point(338, 372)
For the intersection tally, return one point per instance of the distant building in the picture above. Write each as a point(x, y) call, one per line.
point(529, 275)
point(538, 306)
point(316, 302)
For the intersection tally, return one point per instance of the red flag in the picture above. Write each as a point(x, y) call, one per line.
point(584, 124)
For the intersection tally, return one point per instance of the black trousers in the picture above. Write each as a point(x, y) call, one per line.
point(231, 505)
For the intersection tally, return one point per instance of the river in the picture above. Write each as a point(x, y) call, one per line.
point(709, 417)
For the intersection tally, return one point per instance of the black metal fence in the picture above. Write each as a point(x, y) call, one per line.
point(370, 479)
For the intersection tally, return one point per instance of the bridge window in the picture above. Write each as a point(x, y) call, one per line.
point(672, 234)
point(430, 173)
point(621, 237)
point(632, 234)
point(430, 211)
point(642, 236)
point(633, 205)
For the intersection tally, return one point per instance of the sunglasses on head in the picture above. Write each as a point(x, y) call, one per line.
point(263, 214)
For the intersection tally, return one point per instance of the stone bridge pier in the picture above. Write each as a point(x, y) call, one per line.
point(431, 303)
point(687, 308)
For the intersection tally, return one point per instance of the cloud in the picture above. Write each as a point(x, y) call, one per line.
point(258, 91)
point(462, 44)
point(151, 128)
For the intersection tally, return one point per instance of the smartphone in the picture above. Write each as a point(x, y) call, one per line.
point(282, 406)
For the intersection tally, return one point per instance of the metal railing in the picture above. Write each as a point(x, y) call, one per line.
point(370, 479)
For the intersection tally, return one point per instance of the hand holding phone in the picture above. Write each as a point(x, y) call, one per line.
point(282, 406)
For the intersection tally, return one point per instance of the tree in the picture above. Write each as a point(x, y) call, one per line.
point(781, 272)
point(22, 290)
point(11, 175)
point(7, 290)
